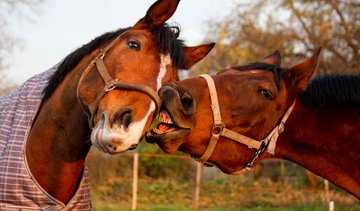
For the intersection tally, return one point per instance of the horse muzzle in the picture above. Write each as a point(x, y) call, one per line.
point(115, 134)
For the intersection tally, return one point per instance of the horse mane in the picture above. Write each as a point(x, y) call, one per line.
point(321, 91)
point(332, 90)
point(264, 66)
point(166, 38)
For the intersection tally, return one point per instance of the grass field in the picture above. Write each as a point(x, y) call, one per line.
point(169, 184)
point(116, 207)
point(217, 195)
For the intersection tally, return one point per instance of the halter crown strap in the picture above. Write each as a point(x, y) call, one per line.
point(272, 138)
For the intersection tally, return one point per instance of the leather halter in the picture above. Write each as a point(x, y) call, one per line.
point(111, 84)
point(219, 129)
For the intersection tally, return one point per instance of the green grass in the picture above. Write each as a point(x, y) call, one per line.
point(161, 194)
point(122, 207)
point(173, 188)
point(119, 207)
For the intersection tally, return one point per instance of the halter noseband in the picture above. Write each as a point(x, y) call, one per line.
point(111, 84)
point(219, 129)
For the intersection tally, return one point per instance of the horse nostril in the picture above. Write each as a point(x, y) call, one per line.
point(124, 118)
point(114, 147)
point(187, 101)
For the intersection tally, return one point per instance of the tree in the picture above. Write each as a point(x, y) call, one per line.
point(295, 27)
point(9, 10)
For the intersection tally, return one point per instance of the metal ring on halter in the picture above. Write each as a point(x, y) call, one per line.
point(110, 86)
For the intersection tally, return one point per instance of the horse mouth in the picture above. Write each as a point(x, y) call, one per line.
point(167, 128)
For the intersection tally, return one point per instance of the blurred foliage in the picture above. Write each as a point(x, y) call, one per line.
point(228, 193)
point(158, 167)
point(120, 166)
point(296, 28)
point(11, 10)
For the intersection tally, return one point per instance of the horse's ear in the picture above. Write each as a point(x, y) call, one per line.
point(300, 74)
point(274, 59)
point(195, 53)
point(159, 12)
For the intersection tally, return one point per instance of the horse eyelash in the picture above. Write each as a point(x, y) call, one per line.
point(266, 93)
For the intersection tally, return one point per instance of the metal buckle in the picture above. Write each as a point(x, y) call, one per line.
point(256, 155)
point(101, 54)
point(217, 129)
point(281, 127)
point(111, 85)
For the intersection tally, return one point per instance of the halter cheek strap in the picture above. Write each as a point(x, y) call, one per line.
point(219, 129)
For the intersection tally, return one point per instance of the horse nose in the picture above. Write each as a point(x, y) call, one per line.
point(176, 97)
point(123, 118)
point(187, 102)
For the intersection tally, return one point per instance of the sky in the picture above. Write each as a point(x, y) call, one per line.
point(64, 25)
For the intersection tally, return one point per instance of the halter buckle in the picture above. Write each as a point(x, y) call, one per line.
point(110, 85)
point(281, 127)
point(101, 55)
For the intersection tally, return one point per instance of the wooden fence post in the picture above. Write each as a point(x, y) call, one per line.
point(327, 194)
point(197, 185)
point(135, 180)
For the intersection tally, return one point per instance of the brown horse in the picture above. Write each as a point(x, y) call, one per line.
point(106, 92)
point(244, 122)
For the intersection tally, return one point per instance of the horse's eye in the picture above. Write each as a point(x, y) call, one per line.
point(267, 94)
point(134, 45)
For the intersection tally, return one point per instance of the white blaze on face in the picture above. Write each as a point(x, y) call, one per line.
point(117, 139)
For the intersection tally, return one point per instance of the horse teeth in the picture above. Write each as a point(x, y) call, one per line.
point(168, 121)
point(165, 118)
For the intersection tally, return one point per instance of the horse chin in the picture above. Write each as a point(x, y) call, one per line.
point(179, 133)
point(169, 142)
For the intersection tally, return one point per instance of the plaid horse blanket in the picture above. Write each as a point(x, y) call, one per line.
point(18, 188)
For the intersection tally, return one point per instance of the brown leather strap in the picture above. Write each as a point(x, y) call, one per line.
point(103, 71)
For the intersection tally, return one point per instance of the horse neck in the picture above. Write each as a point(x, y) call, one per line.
point(58, 141)
point(325, 141)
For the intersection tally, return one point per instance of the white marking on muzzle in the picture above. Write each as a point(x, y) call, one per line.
point(117, 139)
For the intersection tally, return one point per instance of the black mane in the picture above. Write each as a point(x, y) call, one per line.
point(264, 66)
point(166, 38)
point(332, 90)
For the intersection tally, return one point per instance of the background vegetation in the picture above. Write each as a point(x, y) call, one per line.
point(10, 10)
point(255, 29)
point(270, 186)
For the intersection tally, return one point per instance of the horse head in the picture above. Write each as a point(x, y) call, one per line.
point(118, 82)
point(223, 120)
